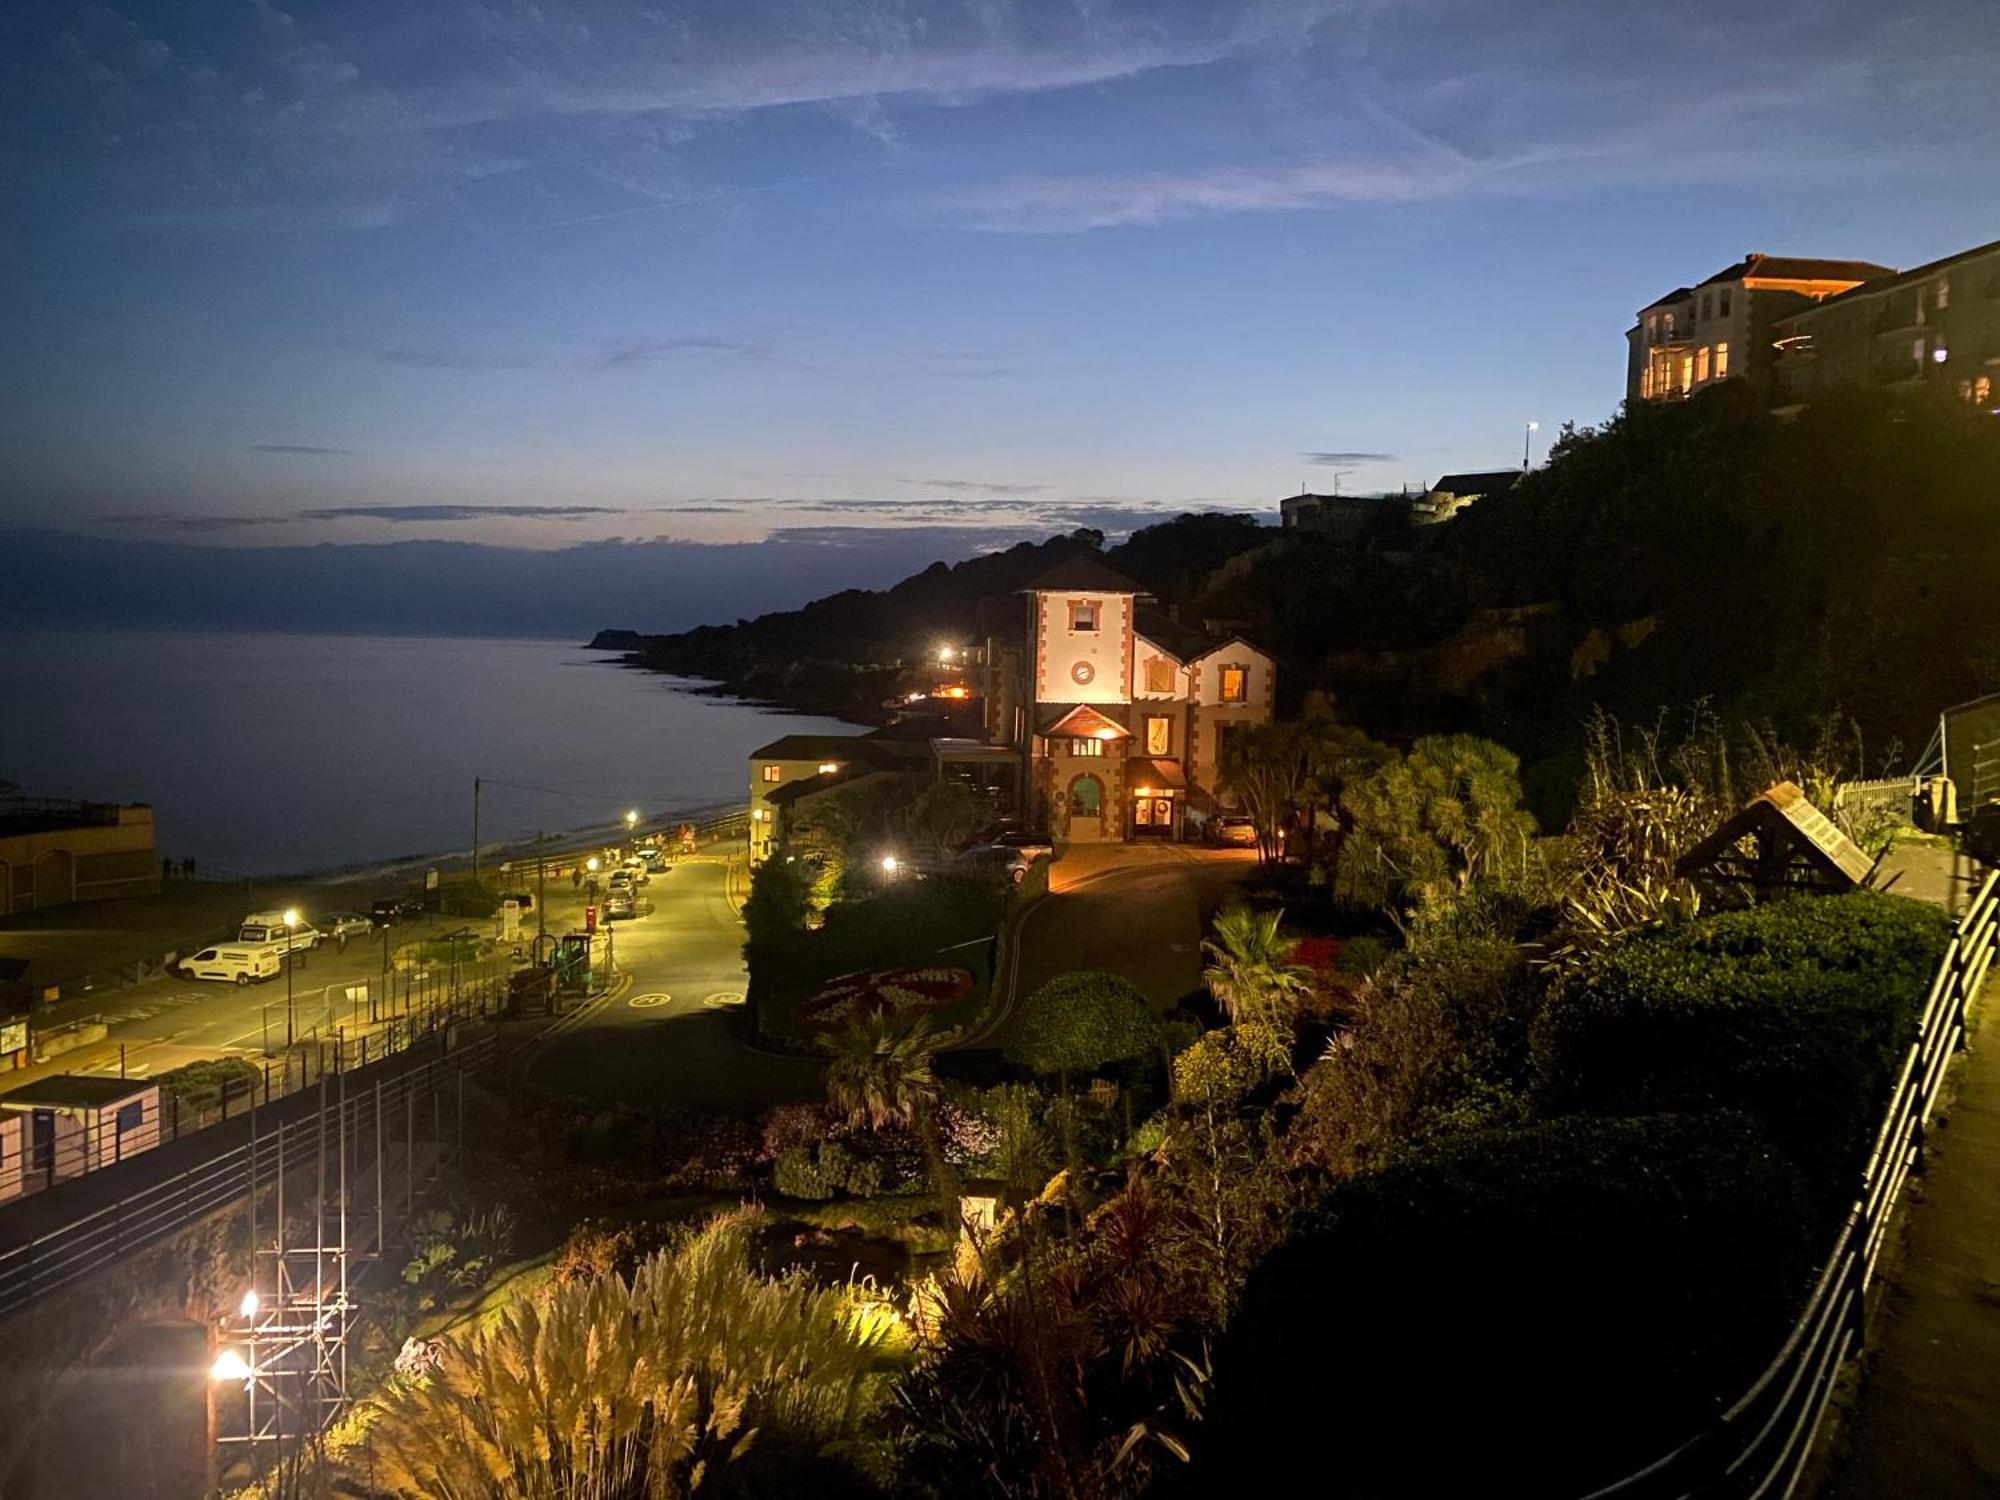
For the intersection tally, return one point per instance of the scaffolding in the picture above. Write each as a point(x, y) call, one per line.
point(340, 1183)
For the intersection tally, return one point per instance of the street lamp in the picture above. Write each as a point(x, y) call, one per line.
point(228, 1366)
point(632, 820)
point(890, 865)
point(291, 921)
point(1527, 437)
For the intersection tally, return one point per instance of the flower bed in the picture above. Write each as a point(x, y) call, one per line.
point(909, 991)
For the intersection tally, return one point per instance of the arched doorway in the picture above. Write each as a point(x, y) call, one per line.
point(55, 878)
point(1086, 807)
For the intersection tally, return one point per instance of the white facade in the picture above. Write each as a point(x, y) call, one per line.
point(1083, 647)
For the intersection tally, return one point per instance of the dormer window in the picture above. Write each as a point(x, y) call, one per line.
point(1159, 675)
point(1083, 615)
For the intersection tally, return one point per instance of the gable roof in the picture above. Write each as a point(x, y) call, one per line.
point(1084, 722)
point(1083, 574)
point(1477, 482)
point(1235, 640)
point(75, 1091)
point(1811, 848)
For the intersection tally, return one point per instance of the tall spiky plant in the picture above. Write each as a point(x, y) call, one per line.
point(608, 1390)
point(879, 1070)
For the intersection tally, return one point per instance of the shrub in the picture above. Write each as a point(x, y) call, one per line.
point(1797, 1012)
point(788, 1125)
point(1077, 1023)
point(797, 1174)
point(202, 1085)
point(1576, 1296)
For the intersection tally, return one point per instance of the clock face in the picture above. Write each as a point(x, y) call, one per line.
point(1083, 671)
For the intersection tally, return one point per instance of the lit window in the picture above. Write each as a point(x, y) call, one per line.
point(1982, 389)
point(1646, 382)
point(1159, 735)
point(1235, 684)
point(1083, 614)
point(1159, 675)
point(1687, 371)
point(773, 773)
point(1701, 363)
point(1721, 361)
point(1086, 747)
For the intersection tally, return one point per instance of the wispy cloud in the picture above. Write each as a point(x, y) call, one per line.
point(647, 351)
point(303, 450)
point(451, 359)
point(401, 514)
point(1336, 458)
point(978, 486)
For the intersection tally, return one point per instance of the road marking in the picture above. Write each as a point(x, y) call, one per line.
point(723, 999)
point(650, 1002)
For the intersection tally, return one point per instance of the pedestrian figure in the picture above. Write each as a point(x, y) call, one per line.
point(187, 867)
point(166, 870)
point(576, 878)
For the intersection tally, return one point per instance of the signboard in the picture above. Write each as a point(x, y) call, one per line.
point(510, 920)
point(13, 1036)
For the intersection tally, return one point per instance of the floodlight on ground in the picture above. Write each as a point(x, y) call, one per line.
point(229, 1365)
point(250, 1303)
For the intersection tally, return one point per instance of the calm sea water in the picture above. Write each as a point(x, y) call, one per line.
point(267, 754)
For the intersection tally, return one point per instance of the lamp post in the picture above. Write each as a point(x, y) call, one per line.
point(291, 921)
point(1527, 437)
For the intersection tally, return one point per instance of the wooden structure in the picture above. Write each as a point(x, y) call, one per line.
point(1777, 844)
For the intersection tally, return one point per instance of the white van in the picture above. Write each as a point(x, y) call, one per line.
point(268, 929)
point(240, 965)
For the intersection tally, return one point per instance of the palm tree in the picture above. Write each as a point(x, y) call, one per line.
point(1250, 970)
point(880, 1073)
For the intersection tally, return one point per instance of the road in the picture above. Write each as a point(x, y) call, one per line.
point(668, 1035)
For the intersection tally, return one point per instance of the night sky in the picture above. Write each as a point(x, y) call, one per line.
point(539, 275)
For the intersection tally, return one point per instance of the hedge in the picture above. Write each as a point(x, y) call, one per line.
point(1797, 1012)
point(1528, 1311)
point(1082, 1021)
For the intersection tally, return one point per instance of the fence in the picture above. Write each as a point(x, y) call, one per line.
point(374, 1019)
point(1759, 1445)
point(95, 1240)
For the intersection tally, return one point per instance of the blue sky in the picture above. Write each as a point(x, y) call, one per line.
point(283, 273)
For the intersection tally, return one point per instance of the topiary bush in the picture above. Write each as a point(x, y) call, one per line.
point(1558, 1304)
point(1797, 1012)
point(1078, 1023)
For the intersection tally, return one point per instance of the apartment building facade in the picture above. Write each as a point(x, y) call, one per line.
point(1936, 324)
point(1724, 328)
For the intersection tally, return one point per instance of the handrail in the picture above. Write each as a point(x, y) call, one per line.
point(1733, 1458)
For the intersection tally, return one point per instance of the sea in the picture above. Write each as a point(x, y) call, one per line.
point(268, 754)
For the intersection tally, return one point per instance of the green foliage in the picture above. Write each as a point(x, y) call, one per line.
point(1438, 1047)
point(1444, 817)
point(1576, 1295)
point(1079, 1022)
point(202, 1085)
point(698, 1375)
point(944, 815)
point(1227, 1064)
point(1361, 956)
point(879, 1070)
point(450, 1252)
point(1250, 970)
point(1797, 1012)
point(796, 1174)
point(467, 898)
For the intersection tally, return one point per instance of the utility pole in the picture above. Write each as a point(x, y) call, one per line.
point(541, 899)
point(475, 830)
point(1527, 437)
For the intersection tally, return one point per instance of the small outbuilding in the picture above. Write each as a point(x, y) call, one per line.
point(1777, 844)
point(76, 1123)
point(11, 1136)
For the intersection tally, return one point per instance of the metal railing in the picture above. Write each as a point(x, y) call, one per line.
point(1759, 1446)
point(375, 1019)
point(96, 1240)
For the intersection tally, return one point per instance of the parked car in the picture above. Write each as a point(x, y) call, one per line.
point(625, 904)
point(622, 880)
point(986, 833)
point(1034, 844)
point(1016, 862)
point(1231, 828)
point(341, 925)
point(270, 928)
point(237, 965)
point(390, 910)
point(653, 857)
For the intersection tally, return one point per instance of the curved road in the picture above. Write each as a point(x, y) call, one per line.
point(668, 1033)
